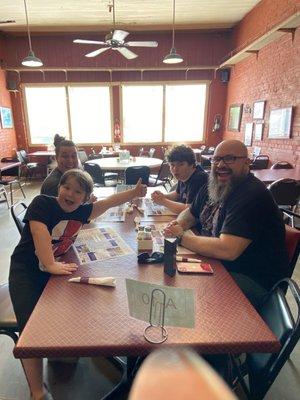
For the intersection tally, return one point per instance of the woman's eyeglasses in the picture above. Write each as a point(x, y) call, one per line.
point(226, 159)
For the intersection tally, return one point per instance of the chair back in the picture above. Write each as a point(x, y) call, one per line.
point(256, 151)
point(210, 150)
point(286, 192)
point(133, 174)
point(164, 172)
point(24, 156)
point(151, 152)
point(141, 152)
point(95, 171)
point(276, 312)
point(292, 242)
point(260, 162)
point(82, 156)
point(282, 165)
point(18, 211)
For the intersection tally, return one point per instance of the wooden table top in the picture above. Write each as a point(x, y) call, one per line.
point(271, 175)
point(112, 163)
point(87, 320)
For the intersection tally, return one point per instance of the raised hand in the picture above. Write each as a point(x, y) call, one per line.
point(140, 190)
point(158, 197)
point(61, 268)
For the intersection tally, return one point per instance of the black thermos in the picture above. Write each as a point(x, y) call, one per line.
point(170, 247)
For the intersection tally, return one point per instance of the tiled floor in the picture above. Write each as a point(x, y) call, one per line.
point(91, 378)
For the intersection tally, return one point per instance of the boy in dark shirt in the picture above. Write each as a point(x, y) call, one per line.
point(191, 178)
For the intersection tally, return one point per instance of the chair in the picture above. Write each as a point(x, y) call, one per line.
point(260, 162)
point(291, 217)
point(292, 242)
point(30, 168)
point(163, 177)
point(133, 174)
point(151, 152)
point(4, 193)
point(99, 178)
point(82, 156)
point(282, 165)
point(10, 181)
point(141, 152)
point(262, 369)
point(18, 211)
point(286, 192)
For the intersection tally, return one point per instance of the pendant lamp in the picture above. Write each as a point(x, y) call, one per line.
point(173, 57)
point(31, 60)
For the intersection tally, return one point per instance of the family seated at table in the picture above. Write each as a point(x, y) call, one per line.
point(234, 213)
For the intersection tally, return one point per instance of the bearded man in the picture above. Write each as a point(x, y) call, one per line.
point(238, 221)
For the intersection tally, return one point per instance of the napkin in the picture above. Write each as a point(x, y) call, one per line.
point(107, 281)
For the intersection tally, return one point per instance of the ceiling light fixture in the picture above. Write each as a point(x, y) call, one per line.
point(31, 60)
point(173, 57)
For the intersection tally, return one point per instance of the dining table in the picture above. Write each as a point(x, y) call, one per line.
point(271, 175)
point(86, 320)
point(114, 163)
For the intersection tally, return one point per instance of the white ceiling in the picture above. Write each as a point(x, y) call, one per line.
point(139, 15)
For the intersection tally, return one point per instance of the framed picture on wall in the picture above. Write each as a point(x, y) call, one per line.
point(259, 109)
point(280, 123)
point(248, 134)
point(258, 131)
point(6, 117)
point(235, 116)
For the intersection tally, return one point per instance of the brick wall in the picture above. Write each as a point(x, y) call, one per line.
point(273, 76)
point(8, 142)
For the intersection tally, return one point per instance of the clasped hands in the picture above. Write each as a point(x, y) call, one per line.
point(158, 197)
point(173, 229)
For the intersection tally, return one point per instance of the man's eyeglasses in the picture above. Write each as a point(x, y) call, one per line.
point(226, 159)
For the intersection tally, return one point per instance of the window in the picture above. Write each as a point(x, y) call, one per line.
point(180, 106)
point(185, 107)
point(88, 120)
point(47, 113)
point(142, 113)
point(90, 114)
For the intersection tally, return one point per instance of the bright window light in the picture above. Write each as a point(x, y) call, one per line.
point(47, 113)
point(90, 114)
point(184, 115)
point(142, 113)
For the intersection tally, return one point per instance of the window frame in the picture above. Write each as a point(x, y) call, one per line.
point(66, 85)
point(164, 84)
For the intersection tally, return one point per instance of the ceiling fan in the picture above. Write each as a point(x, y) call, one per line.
point(115, 40)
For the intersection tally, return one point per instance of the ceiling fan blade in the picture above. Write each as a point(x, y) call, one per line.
point(83, 41)
point(97, 52)
point(141, 44)
point(130, 55)
point(119, 35)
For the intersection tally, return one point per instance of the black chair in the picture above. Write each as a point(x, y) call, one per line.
point(10, 178)
point(163, 177)
point(30, 168)
point(18, 211)
point(262, 369)
point(133, 174)
point(141, 152)
point(260, 162)
point(4, 193)
point(286, 192)
point(292, 243)
point(282, 165)
point(291, 218)
point(100, 178)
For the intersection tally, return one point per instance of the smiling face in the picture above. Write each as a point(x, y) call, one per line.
point(235, 168)
point(181, 170)
point(67, 158)
point(71, 195)
point(225, 174)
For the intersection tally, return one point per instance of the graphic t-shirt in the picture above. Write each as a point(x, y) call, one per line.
point(249, 212)
point(188, 190)
point(62, 226)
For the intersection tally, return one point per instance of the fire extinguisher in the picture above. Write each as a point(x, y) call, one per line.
point(117, 132)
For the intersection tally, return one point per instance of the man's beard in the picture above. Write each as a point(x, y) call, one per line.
point(217, 192)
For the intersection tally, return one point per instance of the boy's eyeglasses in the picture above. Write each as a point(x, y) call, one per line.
point(225, 159)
